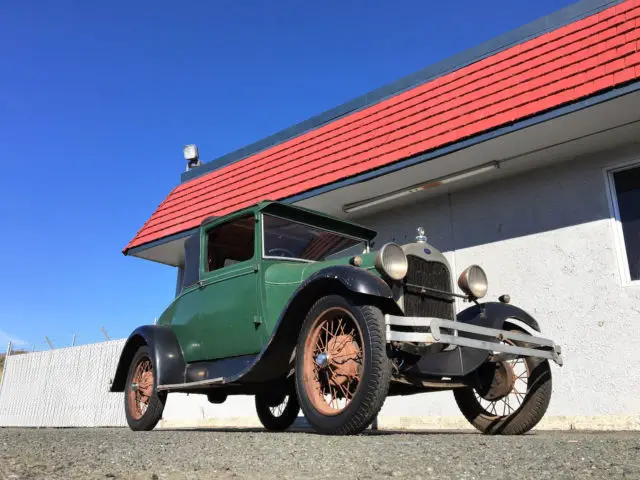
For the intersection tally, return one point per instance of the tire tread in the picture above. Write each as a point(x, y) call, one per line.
point(527, 416)
point(376, 387)
point(284, 421)
point(154, 411)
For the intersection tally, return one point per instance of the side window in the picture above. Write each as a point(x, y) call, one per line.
point(230, 243)
point(626, 185)
point(191, 268)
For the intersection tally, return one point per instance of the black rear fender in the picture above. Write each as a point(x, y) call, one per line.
point(166, 352)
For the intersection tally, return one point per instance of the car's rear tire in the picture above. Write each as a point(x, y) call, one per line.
point(143, 404)
point(280, 416)
point(499, 417)
point(342, 368)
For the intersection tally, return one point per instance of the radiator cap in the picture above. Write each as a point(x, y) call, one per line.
point(421, 237)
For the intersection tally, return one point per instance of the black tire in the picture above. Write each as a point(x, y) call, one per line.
point(136, 418)
point(374, 370)
point(284, 418)
point(525, 417)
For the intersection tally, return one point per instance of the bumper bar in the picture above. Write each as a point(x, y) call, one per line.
point(446, 332)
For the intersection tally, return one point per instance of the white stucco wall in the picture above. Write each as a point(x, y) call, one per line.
point(545, 238)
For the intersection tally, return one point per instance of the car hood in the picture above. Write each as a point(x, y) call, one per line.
point(292, 272)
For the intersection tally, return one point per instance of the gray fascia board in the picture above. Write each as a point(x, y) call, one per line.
point(161, 241)
point(553, 21)
point(460, 145)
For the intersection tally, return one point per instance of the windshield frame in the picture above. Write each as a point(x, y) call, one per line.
point(364, 241)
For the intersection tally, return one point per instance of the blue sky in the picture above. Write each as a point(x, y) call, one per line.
point(97, 99)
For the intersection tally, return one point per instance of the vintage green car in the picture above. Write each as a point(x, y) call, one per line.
point(292, 306)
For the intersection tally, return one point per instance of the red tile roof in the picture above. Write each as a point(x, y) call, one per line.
point(562, 66)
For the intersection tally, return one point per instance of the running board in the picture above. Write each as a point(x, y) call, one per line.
point(192, 385)
point(200, 375)
point(447, 332)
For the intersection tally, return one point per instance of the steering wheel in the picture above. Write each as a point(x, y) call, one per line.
point(281, 252)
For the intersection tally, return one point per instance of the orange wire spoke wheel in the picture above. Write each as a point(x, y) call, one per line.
point(140, 388)
point(333, 361)
point(512, 398)
point(508, 391)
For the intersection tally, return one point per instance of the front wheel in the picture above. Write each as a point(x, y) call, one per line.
point(143, 404)
point(512, 398)
point(342, 368)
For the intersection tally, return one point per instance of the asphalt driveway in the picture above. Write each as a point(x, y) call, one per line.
point(237, 453)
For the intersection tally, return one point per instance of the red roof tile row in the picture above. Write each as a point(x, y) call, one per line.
point(562, 66)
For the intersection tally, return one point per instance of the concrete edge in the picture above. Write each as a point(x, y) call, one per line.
point(600, 422)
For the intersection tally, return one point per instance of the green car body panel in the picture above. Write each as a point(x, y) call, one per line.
point(282, 279)
point(234, 310)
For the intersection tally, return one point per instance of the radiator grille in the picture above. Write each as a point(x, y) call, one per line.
point(432, 275)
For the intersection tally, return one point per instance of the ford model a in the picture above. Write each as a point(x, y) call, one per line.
point(291, 306)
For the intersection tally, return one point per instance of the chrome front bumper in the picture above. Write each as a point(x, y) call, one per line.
point(540, 347)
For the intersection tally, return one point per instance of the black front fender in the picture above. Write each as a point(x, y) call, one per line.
point(163, 346)
point(354, 279)
point(495, 315)
point(464, 360)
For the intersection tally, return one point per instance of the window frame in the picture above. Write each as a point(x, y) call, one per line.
point(294, 259)
point(204, 243)
point(615, 222)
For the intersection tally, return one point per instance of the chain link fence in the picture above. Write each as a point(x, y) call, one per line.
point(65, 387)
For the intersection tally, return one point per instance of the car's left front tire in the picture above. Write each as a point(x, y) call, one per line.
point(342, 368)
point(143, 404)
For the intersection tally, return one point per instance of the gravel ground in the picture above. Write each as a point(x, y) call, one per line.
point(165, 454)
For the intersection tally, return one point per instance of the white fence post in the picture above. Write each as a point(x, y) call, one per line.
point(104, 332)
point(4, 367)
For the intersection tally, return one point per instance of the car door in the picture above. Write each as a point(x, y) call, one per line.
point(225, 306)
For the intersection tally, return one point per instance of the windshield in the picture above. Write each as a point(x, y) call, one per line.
point(289, 239)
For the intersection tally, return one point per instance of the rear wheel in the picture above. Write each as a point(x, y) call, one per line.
point(143, 404)
point(342, 368)
point(512, 398)
point(277, 413)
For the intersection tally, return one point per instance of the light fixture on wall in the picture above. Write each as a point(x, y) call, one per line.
point(191, 156)
point(370, 202)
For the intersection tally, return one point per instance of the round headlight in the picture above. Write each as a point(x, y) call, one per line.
point(392, 262)
point(473, 281)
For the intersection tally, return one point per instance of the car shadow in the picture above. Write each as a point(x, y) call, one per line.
point(309, 430)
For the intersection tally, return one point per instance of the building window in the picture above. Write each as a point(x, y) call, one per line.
point(625, 189)
point(230, 243)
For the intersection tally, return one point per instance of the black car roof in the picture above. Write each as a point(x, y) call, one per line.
point(307, 216)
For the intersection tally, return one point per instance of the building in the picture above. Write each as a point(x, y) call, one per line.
point(522, 155)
